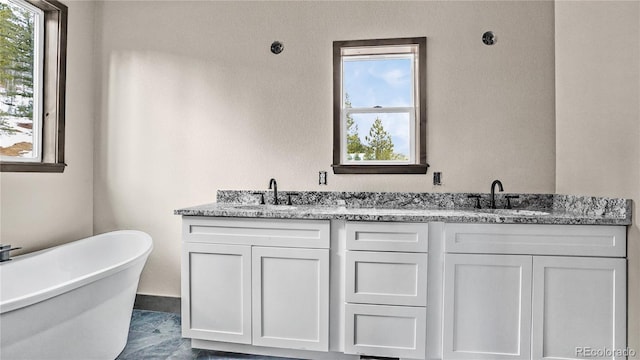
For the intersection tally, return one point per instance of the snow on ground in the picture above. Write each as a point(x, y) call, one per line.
point(21, 133)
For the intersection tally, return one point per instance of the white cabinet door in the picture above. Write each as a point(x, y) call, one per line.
point(216, 292)
point(578, 306)
point(487, 307)
point(291, 298)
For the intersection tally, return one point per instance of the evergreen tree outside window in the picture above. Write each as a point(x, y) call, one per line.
point(380, 106)
point(21, 54)
point(32, 85)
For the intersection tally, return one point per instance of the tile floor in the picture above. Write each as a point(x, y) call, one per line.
point(156, 335)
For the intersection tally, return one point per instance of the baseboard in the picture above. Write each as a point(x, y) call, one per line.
point(157, 303)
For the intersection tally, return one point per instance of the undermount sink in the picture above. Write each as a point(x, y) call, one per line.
point(519, 212)
point(264, 207)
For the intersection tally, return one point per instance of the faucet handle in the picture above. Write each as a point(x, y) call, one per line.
point(261, 197)
point(477, 197)
point(509, 197)
point(289, 197)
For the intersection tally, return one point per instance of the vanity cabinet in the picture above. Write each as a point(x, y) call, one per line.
point(537, 292)
point(386, 289)
point(346, 289)
point(256, 281)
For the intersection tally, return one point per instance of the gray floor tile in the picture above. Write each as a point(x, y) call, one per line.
point(147, 321)
point(184, 352)
point(171, 325)
point(162, 348)
point(157, 335)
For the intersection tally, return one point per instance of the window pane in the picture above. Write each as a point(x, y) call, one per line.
point(378, 137)
point(18, 103)
point(378, 81)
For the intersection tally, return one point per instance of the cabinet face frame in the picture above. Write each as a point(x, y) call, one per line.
point(379, 264)
point(450, 314)
point(616, 292)
point(321, 258)
point(187, 308)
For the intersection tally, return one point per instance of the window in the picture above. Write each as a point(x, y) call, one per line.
point(32, 85)
point(379, 95)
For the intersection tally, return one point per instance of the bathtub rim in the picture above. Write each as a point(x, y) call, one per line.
point(58, 289)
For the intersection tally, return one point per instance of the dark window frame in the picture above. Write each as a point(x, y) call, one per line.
point(421, 166)
point(54, 85)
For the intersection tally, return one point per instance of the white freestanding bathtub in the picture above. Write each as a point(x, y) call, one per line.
point(72, 301)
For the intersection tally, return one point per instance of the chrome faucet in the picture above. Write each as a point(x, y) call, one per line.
point(4, 252)
point(274, 185)
point(493, 192)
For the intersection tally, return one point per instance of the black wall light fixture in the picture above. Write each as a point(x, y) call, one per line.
point(488, 38)
point(277, 47)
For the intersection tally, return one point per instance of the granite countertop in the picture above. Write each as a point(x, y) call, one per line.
point(419, 207)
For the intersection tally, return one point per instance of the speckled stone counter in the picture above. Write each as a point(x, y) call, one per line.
point(418, 207)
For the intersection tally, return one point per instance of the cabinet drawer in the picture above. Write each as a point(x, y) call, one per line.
point(387, 236)
point(257, 232)
point(391, 331)
point(386, 278)
point(577, 240)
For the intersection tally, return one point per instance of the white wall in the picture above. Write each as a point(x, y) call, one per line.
point(597, 51)
point(41, 210)
point(191, 101)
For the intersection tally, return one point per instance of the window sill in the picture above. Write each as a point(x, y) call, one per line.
point(380, 169)
point(32, 167)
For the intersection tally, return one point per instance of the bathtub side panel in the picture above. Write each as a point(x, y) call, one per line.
point(96, 317)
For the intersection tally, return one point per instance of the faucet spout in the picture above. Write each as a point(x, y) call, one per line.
point(273, 185)
point(4, 252)
point(493, 192)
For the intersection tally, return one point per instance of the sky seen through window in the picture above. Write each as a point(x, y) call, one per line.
point(384, 82)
